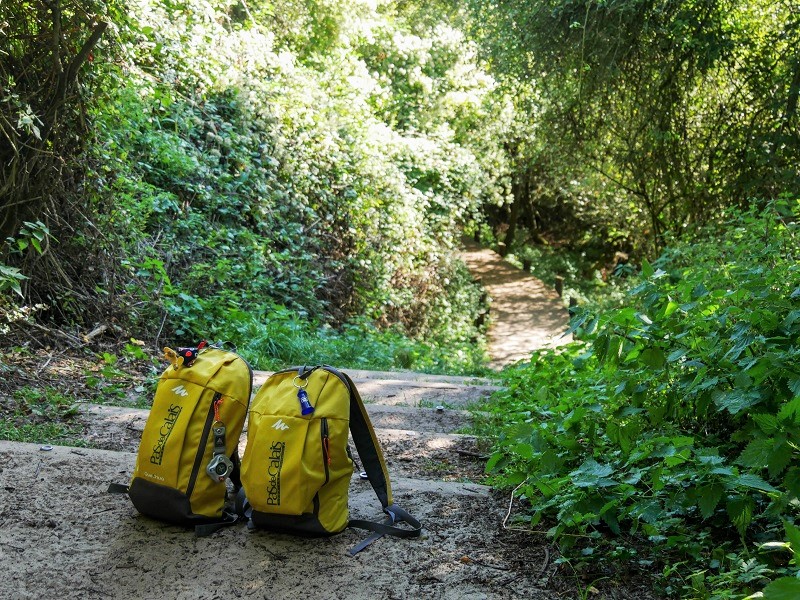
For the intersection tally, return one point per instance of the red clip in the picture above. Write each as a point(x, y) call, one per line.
point(327, 449)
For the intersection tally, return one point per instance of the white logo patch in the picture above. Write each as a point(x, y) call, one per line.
point(280, 425)
point(180, 390)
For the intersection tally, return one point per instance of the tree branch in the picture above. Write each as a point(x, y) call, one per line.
point(68, 78)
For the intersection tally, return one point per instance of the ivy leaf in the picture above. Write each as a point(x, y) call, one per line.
point(710, 495)
point(785, 588)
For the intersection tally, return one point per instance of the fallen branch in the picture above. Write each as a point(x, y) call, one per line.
point(94, 333)
point(71, 339)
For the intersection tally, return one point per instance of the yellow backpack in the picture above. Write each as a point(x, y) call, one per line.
point(189, 446)
point(297, 465)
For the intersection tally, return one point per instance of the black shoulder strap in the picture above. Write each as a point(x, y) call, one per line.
point(374, 464)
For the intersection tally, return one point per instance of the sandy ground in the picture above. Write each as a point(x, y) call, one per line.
point(63, 536)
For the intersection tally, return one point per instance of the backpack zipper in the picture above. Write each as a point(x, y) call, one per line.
point(201, 450)
point(326, 452)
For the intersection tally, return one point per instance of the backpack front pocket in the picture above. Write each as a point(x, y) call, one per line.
point(283, 466)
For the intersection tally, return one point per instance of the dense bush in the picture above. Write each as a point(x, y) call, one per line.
point(237, 165)
point(677, 418)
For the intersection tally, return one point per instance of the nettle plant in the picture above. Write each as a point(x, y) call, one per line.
point(678, 413)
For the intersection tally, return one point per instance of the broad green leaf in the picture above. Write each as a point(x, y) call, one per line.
point(785, 588)
point(649, 511)
point(735, 401)
point(755, 482)
point(740, 511)
point(709, 497)
point(791, 481)
point(699, 291)
point(592, 326)
point(593, 468)
point(671, 308)
point(780, 458)
point(756, 454)
point(766, 423)
point(647, 269)
point(542, 393)
point(676, 355)
point(524, 451)
point(653, 357)
point(496, 461)
point(790, 411)
point(793, 535)
point(592, 474)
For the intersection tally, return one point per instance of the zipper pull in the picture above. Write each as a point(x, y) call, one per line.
point(326, 448)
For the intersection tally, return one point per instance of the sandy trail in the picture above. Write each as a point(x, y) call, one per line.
point(525, 314)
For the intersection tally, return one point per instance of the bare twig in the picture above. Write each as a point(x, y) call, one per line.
point(510, 505)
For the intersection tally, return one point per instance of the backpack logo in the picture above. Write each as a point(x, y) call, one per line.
point(180, 390)
point(163, 433)
point(280, 425)
point(274, 472)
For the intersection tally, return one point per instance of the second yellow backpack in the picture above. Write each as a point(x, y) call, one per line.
point(297, 465)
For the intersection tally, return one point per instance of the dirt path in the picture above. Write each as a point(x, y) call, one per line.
point(525, 314)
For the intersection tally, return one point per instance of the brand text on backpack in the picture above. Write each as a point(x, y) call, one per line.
point(166, 428)
point(274, 471)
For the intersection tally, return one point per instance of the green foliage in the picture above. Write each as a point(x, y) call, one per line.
point(263, 168)
point(47, 403)
point(586, 280)
point(677, 414)
point(41, 433)
point(635, 118)
point(283, 339)
point(31, 235)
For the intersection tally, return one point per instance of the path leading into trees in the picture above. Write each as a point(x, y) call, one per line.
point(524, 313)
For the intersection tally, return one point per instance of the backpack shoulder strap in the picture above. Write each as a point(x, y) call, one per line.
point(372, 460)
